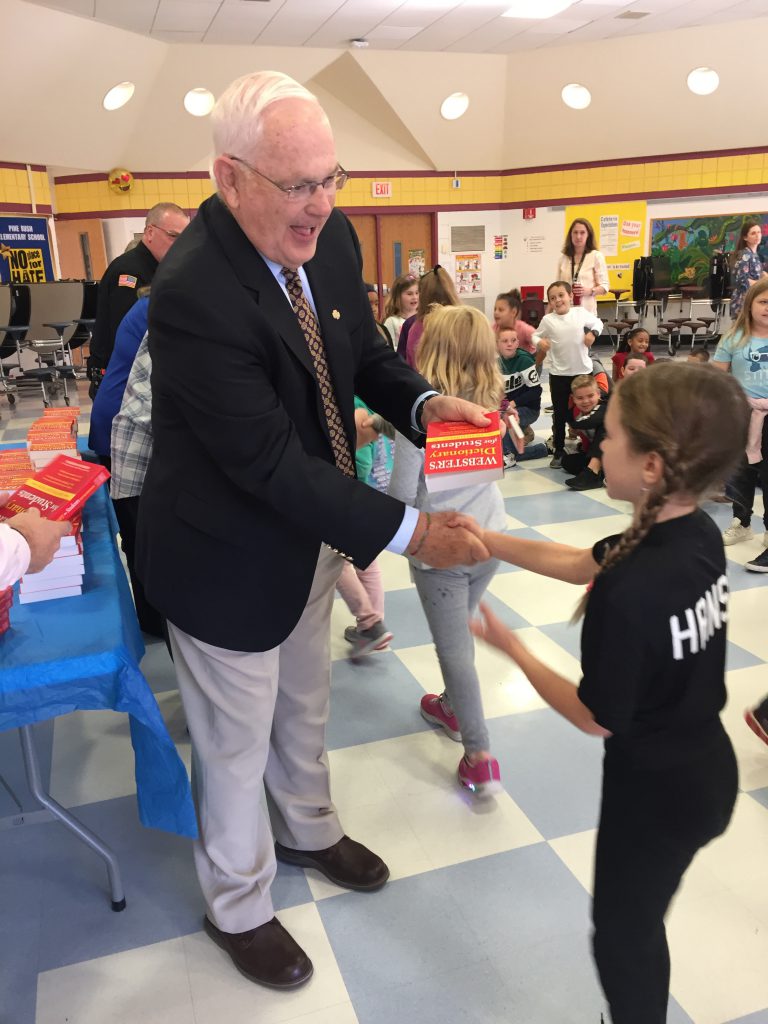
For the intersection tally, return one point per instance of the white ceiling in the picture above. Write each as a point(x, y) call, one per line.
point(467, 26)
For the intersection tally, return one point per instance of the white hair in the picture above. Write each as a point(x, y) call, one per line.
point(237, 116)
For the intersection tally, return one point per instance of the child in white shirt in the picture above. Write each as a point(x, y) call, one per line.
point(565, 336)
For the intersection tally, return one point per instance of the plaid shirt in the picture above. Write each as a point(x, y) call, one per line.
point(132, 429)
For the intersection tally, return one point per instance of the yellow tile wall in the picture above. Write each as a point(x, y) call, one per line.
point(98, 197)
point(14, 187)
point(498, 189)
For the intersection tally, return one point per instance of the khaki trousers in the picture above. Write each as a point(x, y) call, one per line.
point(257, 723)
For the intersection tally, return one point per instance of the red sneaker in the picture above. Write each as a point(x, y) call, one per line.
point(482, 778)
point(757, 724)
point(436, 710)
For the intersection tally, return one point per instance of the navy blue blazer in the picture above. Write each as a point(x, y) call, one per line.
point(242, 489)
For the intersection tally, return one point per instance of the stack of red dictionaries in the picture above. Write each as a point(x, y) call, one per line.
point(49, 475)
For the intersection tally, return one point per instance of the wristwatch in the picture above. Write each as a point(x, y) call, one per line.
point(420, 409)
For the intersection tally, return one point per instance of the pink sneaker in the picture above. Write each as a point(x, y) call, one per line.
point(757, 723)
point(482, 778)
point(436, 710)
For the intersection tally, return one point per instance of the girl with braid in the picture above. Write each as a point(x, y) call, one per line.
point(653, 694)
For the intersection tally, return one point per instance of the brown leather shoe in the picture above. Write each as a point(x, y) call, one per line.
point(267, 955)
point(346, 863)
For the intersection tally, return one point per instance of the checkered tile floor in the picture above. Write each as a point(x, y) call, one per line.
point(486, 918)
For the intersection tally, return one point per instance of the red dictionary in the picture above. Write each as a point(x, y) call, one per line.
point(462, 455)
point(58, 491)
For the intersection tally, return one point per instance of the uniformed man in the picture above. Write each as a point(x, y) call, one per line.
point(124, 276)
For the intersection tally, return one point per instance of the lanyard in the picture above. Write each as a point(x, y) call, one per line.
point(575, 273)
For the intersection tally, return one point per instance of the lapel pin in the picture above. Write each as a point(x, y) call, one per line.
point(336, 314)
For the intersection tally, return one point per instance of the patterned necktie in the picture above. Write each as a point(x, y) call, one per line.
point(311, 331)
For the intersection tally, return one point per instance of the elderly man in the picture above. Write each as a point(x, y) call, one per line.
point(123, 278)
point(260, 334)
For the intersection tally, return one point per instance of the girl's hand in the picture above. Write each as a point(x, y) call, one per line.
point(490, 628)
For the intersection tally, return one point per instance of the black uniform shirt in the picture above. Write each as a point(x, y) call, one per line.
point(117, 293)
point(653, 643)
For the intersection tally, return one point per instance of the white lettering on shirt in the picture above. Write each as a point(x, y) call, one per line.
point(707, 615)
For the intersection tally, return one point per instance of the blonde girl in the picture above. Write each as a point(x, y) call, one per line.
point(653, 693)
point(457, 355)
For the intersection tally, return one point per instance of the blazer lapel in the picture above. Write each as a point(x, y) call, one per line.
point(256, 277)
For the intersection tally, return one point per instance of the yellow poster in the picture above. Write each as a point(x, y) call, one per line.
point(24, 265)
point(619, 233)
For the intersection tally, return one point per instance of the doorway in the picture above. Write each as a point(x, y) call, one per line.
point(394, 244)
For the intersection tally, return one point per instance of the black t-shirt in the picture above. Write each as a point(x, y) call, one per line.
point(653, 644)
point(117, 293)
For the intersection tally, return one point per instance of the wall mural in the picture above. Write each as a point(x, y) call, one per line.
point(685, 245)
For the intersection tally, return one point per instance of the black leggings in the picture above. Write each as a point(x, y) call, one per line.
point(560, 392)
point(652, 823)
point(741, 486)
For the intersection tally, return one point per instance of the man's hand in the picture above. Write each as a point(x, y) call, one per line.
point(442, 408)
point(590, 338)
point(446, 541)
point(365, 430)
point(42, 535)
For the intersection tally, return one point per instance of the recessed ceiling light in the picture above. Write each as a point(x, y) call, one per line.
point(118, 96)
point(703, 81)
point(199, 102)
point(577, 97)
point(536, 8)
point(454, 106)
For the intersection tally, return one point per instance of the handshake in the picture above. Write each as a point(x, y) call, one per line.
point(445, 539)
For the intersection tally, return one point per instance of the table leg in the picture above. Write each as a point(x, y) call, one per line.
point(32, 768)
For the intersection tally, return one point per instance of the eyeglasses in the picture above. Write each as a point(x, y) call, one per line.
point(306, 189)
point(171, 234)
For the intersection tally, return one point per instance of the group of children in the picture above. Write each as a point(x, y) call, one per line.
point(653, 695)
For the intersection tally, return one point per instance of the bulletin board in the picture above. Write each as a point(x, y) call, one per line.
point(619, 232)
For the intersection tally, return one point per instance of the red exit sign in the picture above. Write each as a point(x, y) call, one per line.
point(529, 213)
point(381, 189)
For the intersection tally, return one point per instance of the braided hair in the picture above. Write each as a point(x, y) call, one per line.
point(695, 418)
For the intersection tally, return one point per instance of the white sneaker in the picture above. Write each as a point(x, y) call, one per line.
point(509, 461)
point(736, 532)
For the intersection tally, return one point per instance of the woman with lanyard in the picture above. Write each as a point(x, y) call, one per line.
point(582, 265)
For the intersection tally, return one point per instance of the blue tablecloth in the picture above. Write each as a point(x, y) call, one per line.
point(82, 653)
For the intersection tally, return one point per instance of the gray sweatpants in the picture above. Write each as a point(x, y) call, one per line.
point(449, 597)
